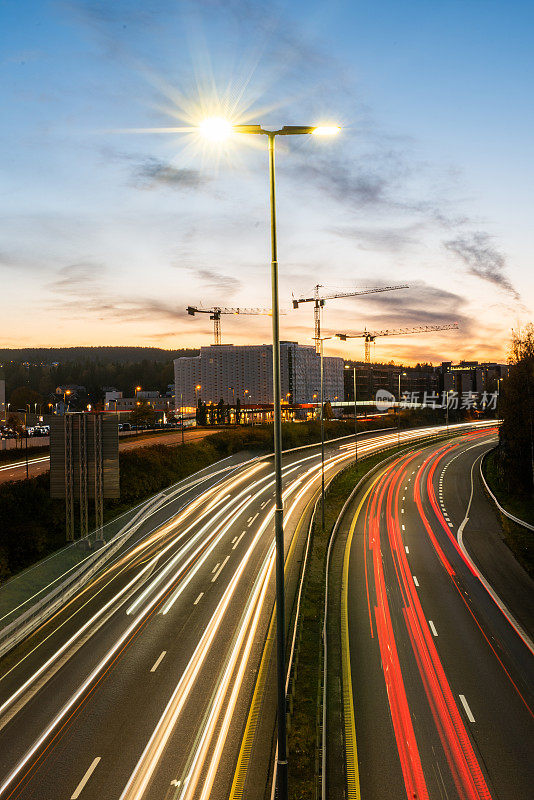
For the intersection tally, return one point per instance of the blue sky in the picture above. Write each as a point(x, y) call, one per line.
point(107, 234)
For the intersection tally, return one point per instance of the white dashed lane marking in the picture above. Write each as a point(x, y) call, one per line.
point(158, 662)
point(432, 627)
point(237, 542)
point(415, 580)
point(198, 598)
point(220, 569)
point(467, 710)
point(79, 788)
point(407, 549)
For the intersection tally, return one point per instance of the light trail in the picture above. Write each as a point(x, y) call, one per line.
point(113, 653)
point(140, 778)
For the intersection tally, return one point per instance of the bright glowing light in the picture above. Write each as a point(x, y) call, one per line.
point(215, 128)
point(326, 130)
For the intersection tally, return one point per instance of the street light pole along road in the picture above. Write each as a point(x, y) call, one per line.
point(218, 129)
point(355, 416)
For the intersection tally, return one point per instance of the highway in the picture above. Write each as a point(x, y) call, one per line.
point(437, 621)
point(140, 686)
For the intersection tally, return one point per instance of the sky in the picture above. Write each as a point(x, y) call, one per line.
point(110, 226)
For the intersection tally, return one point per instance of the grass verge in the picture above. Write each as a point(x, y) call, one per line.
point(520, 540)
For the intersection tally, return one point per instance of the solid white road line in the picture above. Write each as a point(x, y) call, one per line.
point(467, 710)
point(220, 569)
point(415, 580)
point(158, 662)
point(79, 788)
point(432, 627)
point(198, 598)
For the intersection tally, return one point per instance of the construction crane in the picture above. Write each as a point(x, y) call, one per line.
point(216, 312)
point(370, 336)
point(319, 301)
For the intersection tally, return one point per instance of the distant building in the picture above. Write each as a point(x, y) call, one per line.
point(372, 377)
point(472, 376)
point(245, 372)
point(114, 401)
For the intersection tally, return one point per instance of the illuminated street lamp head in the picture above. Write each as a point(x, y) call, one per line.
point(215, 128)
point(326, 130)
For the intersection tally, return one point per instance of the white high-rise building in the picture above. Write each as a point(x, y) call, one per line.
point(246, 372)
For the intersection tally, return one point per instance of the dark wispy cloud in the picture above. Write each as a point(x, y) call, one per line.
point(154, 172)
point(218, 281)
point(420, 304)
point(380, 237)
point(78, 278)
point(335, 178)
point(482, 259)
point(82, 293)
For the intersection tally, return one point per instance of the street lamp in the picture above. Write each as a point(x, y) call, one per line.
point(355, 416)
point(449, 391)
point(217, 129)
point(401, 375)
point(65, 393)
point(321, 340)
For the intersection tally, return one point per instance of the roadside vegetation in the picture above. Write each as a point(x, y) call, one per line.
point(509, 469)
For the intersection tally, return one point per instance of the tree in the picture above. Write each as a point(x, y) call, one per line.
point(516, 408)
point(23, 396)
point(143, 414)
point(14, 421)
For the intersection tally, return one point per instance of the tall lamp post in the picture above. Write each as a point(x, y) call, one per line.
point(401, 375)
point(355, 416)
point(321, 340)
point(218, 129)
point(449, 391)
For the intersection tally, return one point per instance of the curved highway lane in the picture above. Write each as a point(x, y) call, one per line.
point(438, 662)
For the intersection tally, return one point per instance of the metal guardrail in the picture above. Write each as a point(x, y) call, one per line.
point(501, 509)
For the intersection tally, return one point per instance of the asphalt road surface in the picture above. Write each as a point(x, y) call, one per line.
point(140, 686)
point(437, 636)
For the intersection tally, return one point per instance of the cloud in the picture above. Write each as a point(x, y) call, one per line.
point(218, 281)
point(380, 238)
point(336, 179)
point(482, 259)
point(153, 171)
point(84, 295)
point(77, 279)
point(420, 304)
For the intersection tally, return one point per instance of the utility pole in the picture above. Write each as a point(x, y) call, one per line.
point(355, 418)
point(182, 413)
